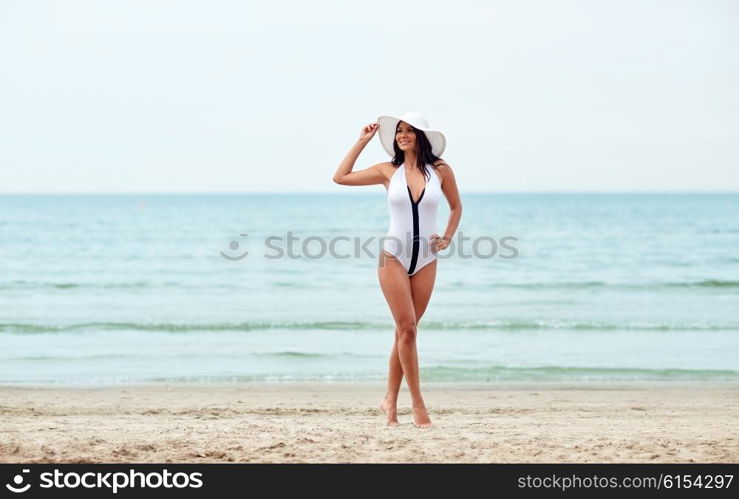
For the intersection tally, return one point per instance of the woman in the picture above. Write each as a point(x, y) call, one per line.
point(414, 179)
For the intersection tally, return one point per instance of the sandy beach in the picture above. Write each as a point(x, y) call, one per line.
point(341, 423)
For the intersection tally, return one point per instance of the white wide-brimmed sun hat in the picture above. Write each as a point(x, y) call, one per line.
point(415, 119)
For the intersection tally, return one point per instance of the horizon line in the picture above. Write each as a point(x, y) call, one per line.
point(167, 193)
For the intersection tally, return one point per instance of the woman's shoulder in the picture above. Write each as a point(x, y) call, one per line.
point(387, 168)
point(442, 167)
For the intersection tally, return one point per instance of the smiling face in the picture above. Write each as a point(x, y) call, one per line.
point(405, 136)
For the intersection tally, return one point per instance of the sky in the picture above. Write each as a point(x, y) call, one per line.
point(245, 96)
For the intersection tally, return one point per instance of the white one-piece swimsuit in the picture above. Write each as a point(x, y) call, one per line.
point(412, 222)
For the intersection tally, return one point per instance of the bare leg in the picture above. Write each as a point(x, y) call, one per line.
point(422, 284)
point(395, 376)
point(394, 379)
point(407, 309)
point(392, 275)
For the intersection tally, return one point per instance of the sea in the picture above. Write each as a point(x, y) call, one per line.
point(212, 288)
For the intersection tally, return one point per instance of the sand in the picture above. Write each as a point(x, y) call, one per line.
point(342, 423)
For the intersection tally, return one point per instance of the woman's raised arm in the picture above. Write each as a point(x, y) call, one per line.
point(368, 176)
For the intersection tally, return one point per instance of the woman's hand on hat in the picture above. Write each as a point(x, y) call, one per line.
point(368, 132)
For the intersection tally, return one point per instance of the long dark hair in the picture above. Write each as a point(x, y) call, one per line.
point(424, 154)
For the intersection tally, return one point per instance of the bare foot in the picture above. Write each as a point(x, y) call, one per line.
point(391, 411)
point(421, 417)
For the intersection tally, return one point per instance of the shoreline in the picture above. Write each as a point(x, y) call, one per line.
point(340, 422)
point(430, 385)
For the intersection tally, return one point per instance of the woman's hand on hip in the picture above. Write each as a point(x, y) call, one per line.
point(439, 243)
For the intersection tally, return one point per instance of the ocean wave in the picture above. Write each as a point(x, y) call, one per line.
point(488, 374)
point(186, 327)
point(502, 373)
point(707, 283)
point(540, 285)
point(25, 285)
point(494, 325)
point(301, 355)
point(288, 354)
